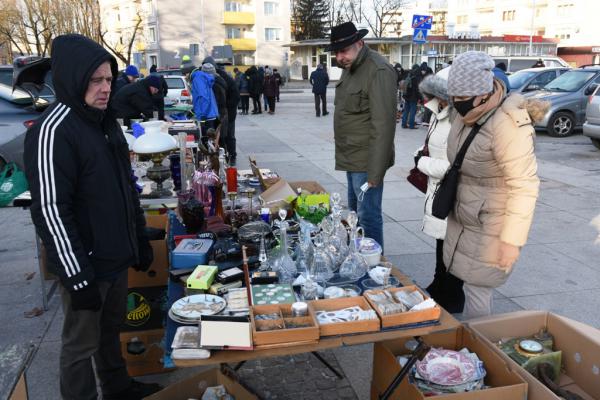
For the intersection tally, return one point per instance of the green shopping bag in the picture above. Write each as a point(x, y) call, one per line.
point(12, 183)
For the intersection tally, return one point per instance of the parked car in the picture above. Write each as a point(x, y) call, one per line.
point(31, 76)
point(517, 63)
point(179, 90)
point(591, 126)
point(169, 71)
point(530, 79)
point(568, 97)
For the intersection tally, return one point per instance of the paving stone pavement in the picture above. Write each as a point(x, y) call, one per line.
point(558, 269)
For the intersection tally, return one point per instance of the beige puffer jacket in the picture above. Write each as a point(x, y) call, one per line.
point(496, 195)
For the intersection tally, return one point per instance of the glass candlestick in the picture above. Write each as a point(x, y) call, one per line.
point(232, 196)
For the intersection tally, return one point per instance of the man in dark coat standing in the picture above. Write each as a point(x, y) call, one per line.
point(255, 85)
point(130, 75)
point(319, 81)
point(134, 101)
point(159, 98)
point(411, 97)
point(86, 210)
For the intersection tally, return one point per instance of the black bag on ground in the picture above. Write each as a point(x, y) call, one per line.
point(445, 193)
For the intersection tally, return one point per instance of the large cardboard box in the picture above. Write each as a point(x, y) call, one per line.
point(20, 390)
point(158, 273)
point(188, 388)
point(143, 352)
point(580, 345)
point(505, 384)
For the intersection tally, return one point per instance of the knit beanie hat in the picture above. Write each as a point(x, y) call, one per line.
point(153, 81)
point(471, 74)
point(209, 68)
point(132, 71)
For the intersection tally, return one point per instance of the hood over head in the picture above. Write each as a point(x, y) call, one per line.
point(434, 86)
point(74, 59)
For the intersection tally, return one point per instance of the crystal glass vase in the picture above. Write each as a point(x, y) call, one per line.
point(354, 265)
point(322, 266)
point(283, 263)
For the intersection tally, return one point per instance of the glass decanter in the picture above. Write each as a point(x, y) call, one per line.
point(354, 266)
point(322, 266)
point(283, 263)
point(305, 251)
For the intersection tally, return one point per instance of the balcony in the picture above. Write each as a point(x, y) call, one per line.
point(238, 18)
point(241, 44)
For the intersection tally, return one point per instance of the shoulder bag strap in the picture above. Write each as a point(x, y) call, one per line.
point(460, 156)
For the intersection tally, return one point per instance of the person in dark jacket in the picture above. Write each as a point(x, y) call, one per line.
point(411, 97)
point(232, 100)
point(270, 89)
point(159, 98)
point(130, 75)
point(242, 81)
point(319, 81)
point(255, 88)
point(134, 101)
point(279, 80)
point(86, 211)
point(220, 91)
point(261, 77)
point(539, 64)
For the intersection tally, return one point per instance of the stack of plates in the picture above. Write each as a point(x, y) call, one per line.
point(188, 310)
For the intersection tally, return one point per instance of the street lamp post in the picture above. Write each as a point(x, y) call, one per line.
point(531, 31)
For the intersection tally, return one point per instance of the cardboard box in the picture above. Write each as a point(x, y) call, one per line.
point(158, 273)
point(143, 352)
point(277, 196)
point(505, 384)
point(312, 187)
point(20, 390)
point(344, 328)
point(146, 308)
point(286, 335)
point(579, 343)
point(188, 388)
point(405, 318)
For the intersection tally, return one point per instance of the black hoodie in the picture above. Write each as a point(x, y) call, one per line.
point(84, 204)
point(133, 100)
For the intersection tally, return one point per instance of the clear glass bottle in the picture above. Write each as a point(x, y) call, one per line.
point(354, 266)
point(322, 266)
point(283, 263)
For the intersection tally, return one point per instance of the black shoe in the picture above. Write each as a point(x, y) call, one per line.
point(325, 113)
point(404, 127)
point(318, 115)
point(136, 391)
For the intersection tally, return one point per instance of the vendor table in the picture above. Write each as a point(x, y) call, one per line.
point(223, 357)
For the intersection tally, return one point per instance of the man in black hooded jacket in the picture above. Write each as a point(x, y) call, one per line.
point(86, 210)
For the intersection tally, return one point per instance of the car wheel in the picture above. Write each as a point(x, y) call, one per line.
point(596, 142)
point(561, 125)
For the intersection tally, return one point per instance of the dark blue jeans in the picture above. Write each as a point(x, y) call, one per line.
point(410, 110)
point(369, 212)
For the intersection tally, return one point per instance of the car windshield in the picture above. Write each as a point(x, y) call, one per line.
point(518, 79)
point(570, 81)
point(175, 83)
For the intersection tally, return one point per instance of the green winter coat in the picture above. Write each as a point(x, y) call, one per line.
point(365, 116)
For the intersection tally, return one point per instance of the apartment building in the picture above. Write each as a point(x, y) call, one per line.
point(399, 22)
point(255, 29)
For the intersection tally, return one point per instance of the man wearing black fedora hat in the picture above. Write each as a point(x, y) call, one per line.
point(364, 123)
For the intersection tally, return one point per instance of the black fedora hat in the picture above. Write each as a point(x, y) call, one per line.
point(344, 35)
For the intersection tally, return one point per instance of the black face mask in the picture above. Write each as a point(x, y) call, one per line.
point(464, 106)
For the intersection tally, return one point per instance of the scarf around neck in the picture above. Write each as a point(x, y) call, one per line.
point(492, 101)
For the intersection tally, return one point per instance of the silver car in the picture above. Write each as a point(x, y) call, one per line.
point(591, 126)
point(530, 79)
point(568, 97)
point(179, 90)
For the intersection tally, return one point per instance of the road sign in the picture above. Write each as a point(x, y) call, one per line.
point(420, 36)
point(432, 53)
point(422, 21)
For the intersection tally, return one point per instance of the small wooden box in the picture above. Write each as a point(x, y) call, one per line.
point(285, 335)
point(344, 328)
point(408, 317)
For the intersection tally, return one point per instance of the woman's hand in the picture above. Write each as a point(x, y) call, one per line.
point(507, 255)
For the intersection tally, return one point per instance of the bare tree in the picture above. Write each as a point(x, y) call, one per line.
point(377, 15)
point(122, 51)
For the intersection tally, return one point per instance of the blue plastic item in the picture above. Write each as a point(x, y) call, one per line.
point(137, 129)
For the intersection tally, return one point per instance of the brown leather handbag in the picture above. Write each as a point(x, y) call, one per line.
point(415, 177)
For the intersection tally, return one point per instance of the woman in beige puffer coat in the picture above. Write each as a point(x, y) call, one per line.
point(498, 185)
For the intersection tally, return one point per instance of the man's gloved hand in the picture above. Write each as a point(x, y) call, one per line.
point(146, 256)
point(88, 298)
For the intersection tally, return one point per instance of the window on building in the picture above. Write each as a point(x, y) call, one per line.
point(271, 8)
point(508, 15)
point(194, 49)
point(462, 19)
point(232, 6)
point(153, 60)
point(272, 34)
point(565, 10)
point(541, 32)
point(152, 34)
point(234, 33)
